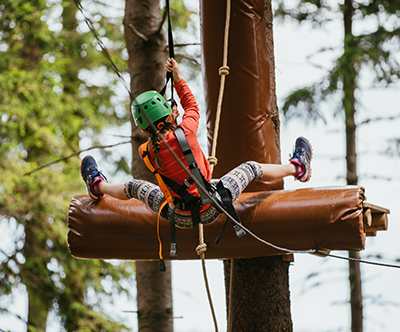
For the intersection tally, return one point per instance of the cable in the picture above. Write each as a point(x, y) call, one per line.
point(103, 48)
point(357, 260)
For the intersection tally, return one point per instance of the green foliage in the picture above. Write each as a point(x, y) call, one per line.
point(302, 103)
point(315, 11)
point(49, 102)
point(375, 51)
point(181, 16)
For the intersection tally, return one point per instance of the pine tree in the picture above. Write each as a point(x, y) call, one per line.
point(368, 50)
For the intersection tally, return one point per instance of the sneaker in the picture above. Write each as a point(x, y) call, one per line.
point(91, 175)
point(301, 157)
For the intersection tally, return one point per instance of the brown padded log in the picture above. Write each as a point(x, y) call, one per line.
point(246, 131)
point(301, 219)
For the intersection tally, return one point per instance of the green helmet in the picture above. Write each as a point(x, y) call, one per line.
point(155, 106)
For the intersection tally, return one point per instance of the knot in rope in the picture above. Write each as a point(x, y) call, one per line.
point(212, 160)
point(224, 70)
point(201, 249)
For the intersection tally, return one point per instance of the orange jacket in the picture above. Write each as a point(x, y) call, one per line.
point(189, 124)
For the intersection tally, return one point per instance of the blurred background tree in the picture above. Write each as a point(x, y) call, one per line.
point(371, 35)
point(59, 96)
point(56, 90)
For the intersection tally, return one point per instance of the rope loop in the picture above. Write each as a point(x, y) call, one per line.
point(223, 70)
point(201, 249)
point(212, 160)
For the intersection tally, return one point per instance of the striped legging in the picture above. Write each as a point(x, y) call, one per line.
point(235, 182)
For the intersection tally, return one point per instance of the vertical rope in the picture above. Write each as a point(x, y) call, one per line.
point(223, 71)
point(201, 251)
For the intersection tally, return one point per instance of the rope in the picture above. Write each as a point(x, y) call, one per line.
point(201, 251)
point(212, 161)
point(223, 71)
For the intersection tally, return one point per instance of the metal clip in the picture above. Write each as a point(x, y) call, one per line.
point(173, 251)
point(239, 231)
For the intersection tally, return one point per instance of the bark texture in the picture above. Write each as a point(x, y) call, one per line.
point(260, 298)
point(145, 42)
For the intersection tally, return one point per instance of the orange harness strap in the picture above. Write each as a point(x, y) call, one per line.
point(162, 264)
point(169, 199)
point(145, 155)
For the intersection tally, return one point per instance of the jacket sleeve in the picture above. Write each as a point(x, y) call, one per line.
point(191, 116)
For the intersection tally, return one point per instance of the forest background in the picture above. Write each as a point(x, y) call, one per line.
point(34, 134)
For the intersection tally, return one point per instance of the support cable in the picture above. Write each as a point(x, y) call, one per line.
point(104, 49)
point(350, 259)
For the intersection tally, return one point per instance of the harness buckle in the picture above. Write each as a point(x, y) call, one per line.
point(173, 251)
point(188, 182)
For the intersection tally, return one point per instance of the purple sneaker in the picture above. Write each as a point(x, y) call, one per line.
point(301, 157)
point(91, 175)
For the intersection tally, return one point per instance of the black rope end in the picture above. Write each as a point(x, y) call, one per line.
point(218, 237)
point(162, 266)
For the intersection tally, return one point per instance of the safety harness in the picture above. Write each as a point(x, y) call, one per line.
point(186, 201)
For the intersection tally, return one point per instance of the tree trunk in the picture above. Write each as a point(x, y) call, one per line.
point(146, 51)
point(356, 297)
point(257, 289)
point(349, 87)
point(154, 297)
point(259, 300)
point(35, 277)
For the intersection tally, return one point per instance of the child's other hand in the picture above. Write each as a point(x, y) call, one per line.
point(172, 66)
point(175, 114)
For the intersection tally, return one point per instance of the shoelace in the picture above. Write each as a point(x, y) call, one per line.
point(93, 173)
point(298, 152)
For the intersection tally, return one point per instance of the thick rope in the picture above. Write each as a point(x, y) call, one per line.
point(201, 251)
point(223, 71)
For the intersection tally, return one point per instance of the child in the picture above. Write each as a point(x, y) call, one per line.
point(163, 116)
